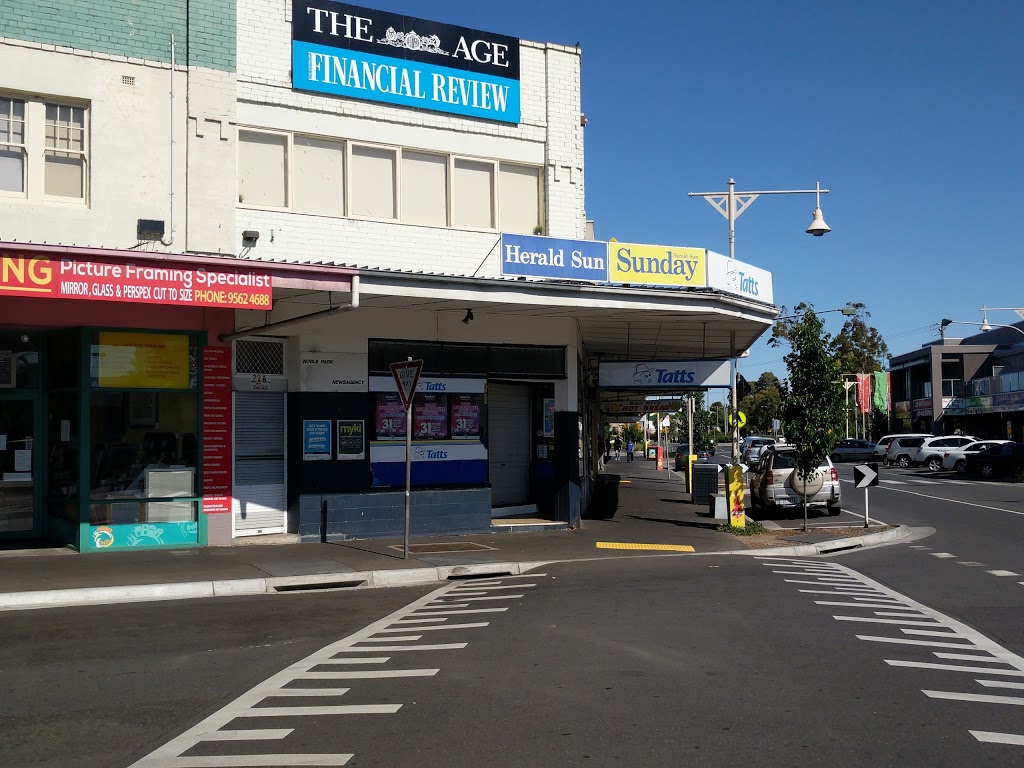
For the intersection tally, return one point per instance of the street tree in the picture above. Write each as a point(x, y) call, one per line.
point(763, 404)
point(812, 411)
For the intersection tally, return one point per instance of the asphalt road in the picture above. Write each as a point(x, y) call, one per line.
point(659, 661)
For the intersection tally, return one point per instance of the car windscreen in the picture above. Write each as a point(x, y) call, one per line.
point(784, 461)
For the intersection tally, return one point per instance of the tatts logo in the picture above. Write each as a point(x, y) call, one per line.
point(658, 265)
point(25, 276)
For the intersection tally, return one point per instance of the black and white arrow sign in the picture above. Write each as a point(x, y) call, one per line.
point(865, 475)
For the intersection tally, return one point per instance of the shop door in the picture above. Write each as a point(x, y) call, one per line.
point(19, 468)
point(508, 443)
point(261, 500)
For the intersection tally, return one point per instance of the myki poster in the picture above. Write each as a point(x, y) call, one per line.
point(430, 417)
point(465, 416)
point(390, 416)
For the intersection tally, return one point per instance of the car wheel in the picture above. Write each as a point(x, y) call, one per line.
point(960, 466)
point(934, 464)
point(834, 509)
point(835, 458)
point(903, 461)
point(988, 471)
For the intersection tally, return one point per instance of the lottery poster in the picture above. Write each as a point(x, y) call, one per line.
point(390, 417)
point(465, 416)
point(430, 417)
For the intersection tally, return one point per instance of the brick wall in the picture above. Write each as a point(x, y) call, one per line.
point(204, 29)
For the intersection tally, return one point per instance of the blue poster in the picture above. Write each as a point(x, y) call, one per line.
point(316, 440)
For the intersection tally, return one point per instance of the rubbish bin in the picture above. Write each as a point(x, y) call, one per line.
point(705, 483)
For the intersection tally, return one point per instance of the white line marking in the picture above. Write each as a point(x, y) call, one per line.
point(923, 482)
point(853, 605)
point(931, 633)
point(918, 546)
point(941, 554)
point(1000, 684)
point(249, 735)
point(498, 586)
point(367, 674)
point(890, 600)
point(957, 482)
point(952, 501)
point(970, 563)
point(395, 638)
point(1002, 573)
point(984, 698)
point(815, 583)
point(464, 593)
point(494, 597)
point(349, 709)
point(902, 614)
point(367, 660)
point(433, 606)
point(968, 657)
point(471, 610)
point(819, 574)
point(419, 621)
point(908, 641)
point(307, 692)
point(887, 621)
point(844, 593)
point(231, 761)
point(989, 737)
point(443, 626)
point(892, 482)
point(954, 667)
point(438, 647)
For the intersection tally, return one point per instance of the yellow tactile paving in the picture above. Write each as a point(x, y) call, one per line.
point(651, 547)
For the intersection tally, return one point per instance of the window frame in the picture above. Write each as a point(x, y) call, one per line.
point(35, 149)
point(288, 148)
point(452, 158)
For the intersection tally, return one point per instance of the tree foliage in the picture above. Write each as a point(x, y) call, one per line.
point(632, 432)
point(763, 404)
point(860, 348)
point(812, 410)
point(703, 424)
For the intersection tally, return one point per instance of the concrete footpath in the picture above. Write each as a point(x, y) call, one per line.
point(654, 517)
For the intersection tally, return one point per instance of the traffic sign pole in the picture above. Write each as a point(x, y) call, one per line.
point(866, 515)
point(865, 476)
point(407, 376)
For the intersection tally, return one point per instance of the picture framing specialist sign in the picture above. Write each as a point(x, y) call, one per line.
point(663, 374)
point(168, 282)
point(355, 52)
point(554, 258)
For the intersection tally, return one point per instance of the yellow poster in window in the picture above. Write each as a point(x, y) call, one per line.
point(142, 360)
point(657, 265)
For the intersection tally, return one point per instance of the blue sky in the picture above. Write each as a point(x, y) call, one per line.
point(910, 112)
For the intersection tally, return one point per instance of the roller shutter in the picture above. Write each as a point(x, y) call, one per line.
point(508, 434)
point(261, 501)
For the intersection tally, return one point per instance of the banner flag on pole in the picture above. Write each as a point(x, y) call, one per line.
point(881, 399)
point(864, 392)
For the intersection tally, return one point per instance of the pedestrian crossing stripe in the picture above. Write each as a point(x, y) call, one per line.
point(649, 547)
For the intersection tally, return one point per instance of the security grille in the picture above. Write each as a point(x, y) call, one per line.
point(264, 356)
point(128, 80)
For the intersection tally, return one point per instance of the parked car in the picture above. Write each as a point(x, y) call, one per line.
point(775, 483)
point(882, 446)
point(852, 450)
point(929, 453)
point(997, 461)
point(956, 458)
point(751, 452)
point(902, 449)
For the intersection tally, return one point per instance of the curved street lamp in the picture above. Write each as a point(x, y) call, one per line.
point(731, 204)
point(985, 325)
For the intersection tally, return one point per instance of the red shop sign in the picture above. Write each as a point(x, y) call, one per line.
point(145, 283)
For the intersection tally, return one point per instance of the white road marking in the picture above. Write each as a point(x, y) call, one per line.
point(957, 482)
point(892, 482)
point(432, 606)
point(902, 614)
point(942, 555)
point(886, 621)
point(489, 588)
point(367, 674)
point(952, 501)
point(918, 546)
point(989, 737)
point(494, 597)
point(931, 633)
point(815, 583)
point(1002, 573)
point(908, 641)
point(954, 667)
point(844, 593)
point(970, 563)
point(880, 599)
point(967, 657)
point(253, 703)
point(852, 605)
point(923, 482)
point(982, 697)
point(424, 629)
point(1000, 684)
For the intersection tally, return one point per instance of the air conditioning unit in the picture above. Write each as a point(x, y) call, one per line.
point(8, 371)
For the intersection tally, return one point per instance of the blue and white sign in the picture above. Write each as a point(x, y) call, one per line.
point(316, 440)
point(554, 258)
point(347, 50)
point(737, 277)
point(663, 374)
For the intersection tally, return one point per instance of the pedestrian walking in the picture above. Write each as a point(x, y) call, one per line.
point(607, 449)
point(618, 448)
point(630, 447)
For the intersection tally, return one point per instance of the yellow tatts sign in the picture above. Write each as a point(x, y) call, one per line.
point(657, 265)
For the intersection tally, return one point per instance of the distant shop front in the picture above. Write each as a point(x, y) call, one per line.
point(115, 395)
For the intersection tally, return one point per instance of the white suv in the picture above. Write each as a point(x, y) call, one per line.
point(882, 446)
point(929, 453)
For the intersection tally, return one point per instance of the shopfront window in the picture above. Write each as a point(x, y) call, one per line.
point(144, 427)
point(62, 456)
point(19, 360)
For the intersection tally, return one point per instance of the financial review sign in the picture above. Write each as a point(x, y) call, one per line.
point(346, 50)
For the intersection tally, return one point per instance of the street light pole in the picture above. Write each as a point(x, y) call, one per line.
point(731, 204)
point(985, 326)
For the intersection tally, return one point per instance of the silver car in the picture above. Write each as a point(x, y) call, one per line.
point(754, 448)
point(852, 450)
point(775, 484)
